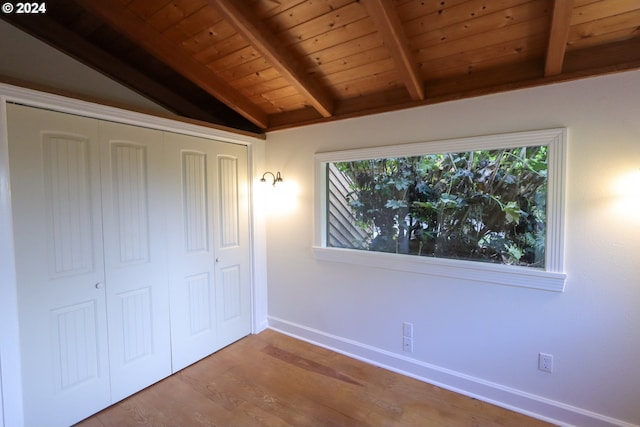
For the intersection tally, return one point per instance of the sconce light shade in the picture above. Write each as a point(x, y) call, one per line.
point(276, 178)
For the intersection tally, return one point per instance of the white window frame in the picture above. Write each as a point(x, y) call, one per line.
point(551, 278)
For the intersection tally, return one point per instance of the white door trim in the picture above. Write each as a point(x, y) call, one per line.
point(79, 107)
point(9, 335)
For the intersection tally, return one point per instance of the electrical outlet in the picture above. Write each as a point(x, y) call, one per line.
point(407, 329)
point(545, 362)
point(407, 344)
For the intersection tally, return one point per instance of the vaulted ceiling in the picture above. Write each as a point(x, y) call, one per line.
point(261, 65)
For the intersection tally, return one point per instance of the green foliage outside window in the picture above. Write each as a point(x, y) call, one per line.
point(485, 205)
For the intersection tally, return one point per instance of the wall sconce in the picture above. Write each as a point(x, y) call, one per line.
point(276, 178)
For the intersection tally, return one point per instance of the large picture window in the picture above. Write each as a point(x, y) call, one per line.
point(489, 206)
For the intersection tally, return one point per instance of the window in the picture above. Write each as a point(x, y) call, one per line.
point(485, 208)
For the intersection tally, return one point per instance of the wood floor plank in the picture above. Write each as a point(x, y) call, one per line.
point(273, 380)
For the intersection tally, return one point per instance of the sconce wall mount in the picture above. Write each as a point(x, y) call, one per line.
point(276, 178)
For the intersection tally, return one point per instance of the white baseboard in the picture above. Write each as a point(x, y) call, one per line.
point(516, 400)
point(259, 327)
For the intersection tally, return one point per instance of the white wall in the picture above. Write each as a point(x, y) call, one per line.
point(1, 398)
point(479, 338)
point(27, 58)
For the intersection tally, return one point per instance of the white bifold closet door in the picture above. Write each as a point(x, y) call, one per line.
point(135, 256)
point(90, 232)
point(132, 257)
point(208, 246)
point(57, 216)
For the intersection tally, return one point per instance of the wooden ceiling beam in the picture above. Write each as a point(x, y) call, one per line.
point(137, 30)
point(603, 59)
point(275, 52)
point(386, 18)
point(558, 36)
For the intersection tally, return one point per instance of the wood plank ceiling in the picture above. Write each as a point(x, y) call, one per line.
point(261, 65)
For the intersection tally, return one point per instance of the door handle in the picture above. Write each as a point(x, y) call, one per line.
point(217, 259)
point(99, 285)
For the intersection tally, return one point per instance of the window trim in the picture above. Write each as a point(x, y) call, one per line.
point(552, 278)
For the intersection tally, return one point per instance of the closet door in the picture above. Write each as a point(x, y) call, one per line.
point(55, 185)
point(191, 166)
point(135, 252)
point(231, 243)
point(209, 295)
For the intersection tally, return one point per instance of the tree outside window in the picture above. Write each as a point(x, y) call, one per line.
point(481, 205)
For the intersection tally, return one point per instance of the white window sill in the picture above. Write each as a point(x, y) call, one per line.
point(458, 269)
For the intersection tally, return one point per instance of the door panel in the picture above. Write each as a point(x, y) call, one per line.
point(130, 202)
point(68, 204)
point(195, 200)
point(55, 183)
point(74, 346)
point(135, 257)
point(231, 215)
point(190, 168)
point(209, 217)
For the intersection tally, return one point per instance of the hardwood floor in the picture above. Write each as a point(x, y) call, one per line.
point(271, 379)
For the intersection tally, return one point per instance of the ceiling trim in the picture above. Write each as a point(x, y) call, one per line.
point(25, 93)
